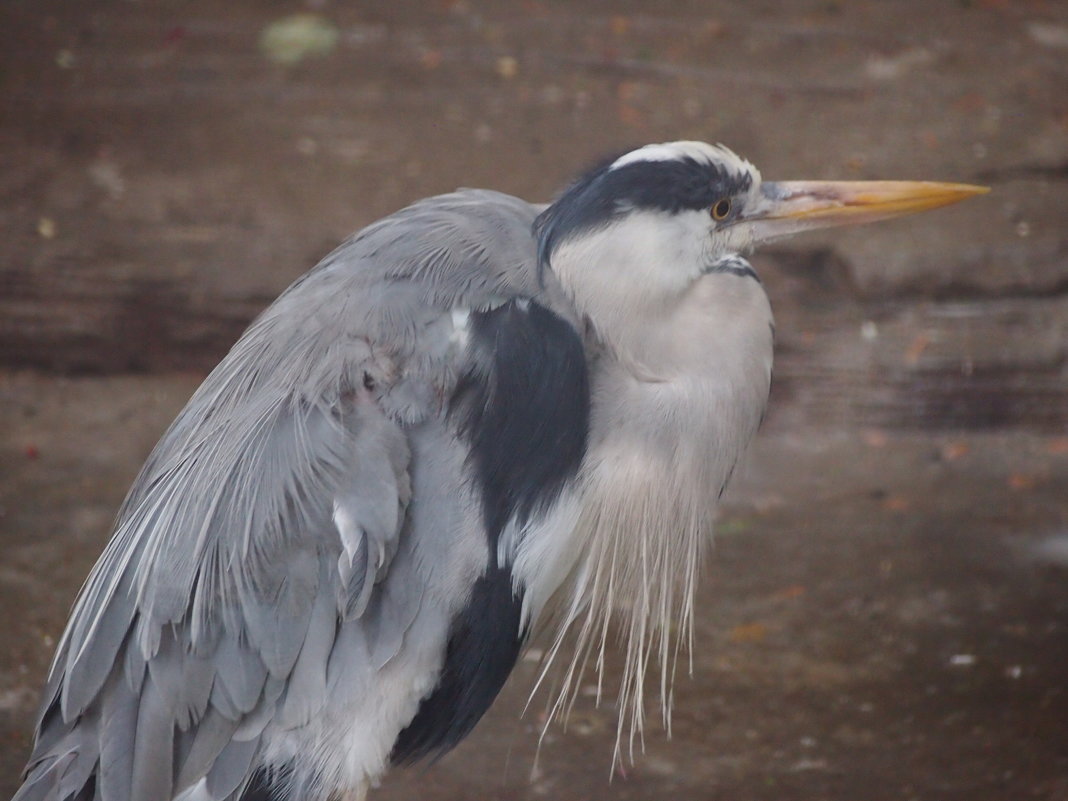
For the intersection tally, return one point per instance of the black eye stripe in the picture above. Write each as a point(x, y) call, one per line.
point(606, 193)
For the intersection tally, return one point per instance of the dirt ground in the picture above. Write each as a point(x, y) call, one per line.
point(885, 614)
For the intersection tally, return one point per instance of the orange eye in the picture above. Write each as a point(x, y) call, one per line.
point(721, 209)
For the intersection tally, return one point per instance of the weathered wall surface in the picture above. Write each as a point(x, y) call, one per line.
point(886, 614)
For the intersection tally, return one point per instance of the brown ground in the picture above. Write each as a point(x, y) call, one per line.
point(886, 612)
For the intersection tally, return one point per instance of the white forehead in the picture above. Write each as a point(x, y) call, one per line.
point(679, 151)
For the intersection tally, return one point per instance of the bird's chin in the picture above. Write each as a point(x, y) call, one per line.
point(757, 232)
point(736, 240)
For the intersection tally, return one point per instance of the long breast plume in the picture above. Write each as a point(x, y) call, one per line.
point(643, 543)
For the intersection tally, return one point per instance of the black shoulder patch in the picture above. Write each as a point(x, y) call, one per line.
point(483, 647)
point(523, 408)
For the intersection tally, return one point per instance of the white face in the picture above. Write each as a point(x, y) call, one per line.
point(659, 275)
point(649, 256)
point(644, 256)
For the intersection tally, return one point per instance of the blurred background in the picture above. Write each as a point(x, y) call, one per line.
point(885, 614)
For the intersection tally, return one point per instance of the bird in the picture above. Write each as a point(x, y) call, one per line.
point(476, 422)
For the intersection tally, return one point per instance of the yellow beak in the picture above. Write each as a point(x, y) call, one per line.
point(787, 207)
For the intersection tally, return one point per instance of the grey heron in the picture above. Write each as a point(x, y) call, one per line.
point(473, 418)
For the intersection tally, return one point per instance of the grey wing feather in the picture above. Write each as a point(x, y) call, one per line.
point(270, 511)
point(118, 731)
point(153, 766)
point(241, 674)
point(231, 769)
point(305, 689)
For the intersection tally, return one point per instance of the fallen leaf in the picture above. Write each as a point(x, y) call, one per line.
point(874, 438)
point(630, 116)
point(715, 28)
point(291, 39)
point(174, 35)
point(970, 103)
point(430, 59)
point(929, 139)
point(748, 632)
point(627, 91)
point(896, 503)
point(507, 67)
point(1058, 446)
point(916, 348)
point(733, 525)
point(1022, 481)
point(790, 593)
point(952, 451)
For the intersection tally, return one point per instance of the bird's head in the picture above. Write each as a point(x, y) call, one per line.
point(668, 224)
